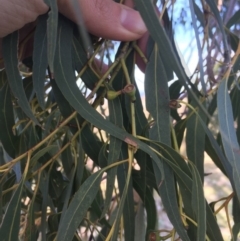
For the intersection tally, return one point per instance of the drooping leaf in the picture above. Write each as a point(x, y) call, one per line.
point(78, 207)
point(198, 204)
point(52, 24)
point(40, 61)
point(10, 45)
point(67, 158)
point(148, 202)
point(235, 230)
point(157, 103)
point(128, 206)
point(11, 223)
point(228, 133)
point(115, 116)
point(44, 187)
point(195, 139)
point(8, 139)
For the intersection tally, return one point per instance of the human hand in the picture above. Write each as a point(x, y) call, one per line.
point(103, 18)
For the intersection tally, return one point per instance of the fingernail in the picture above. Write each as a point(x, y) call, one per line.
point(132, 21)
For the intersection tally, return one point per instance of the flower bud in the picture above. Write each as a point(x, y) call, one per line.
point(131, 91)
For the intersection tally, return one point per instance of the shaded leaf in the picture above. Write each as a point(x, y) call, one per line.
point(11, 223)
point(157, 103)
point(52, 24)
point(10, 45)
point(148, 201)
point(198, 204)
point(128, 206)
point(195, 139)
point(115, 116)
point(78, 207)
point(40, 61)
point(8, 139)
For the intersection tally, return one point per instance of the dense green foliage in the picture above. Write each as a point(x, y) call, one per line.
point(72, 169)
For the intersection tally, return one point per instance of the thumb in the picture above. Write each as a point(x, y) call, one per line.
point(106, 18)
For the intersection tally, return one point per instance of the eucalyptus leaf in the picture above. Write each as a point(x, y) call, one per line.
point(10, 45)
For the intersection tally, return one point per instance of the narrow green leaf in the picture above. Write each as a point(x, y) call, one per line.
point(80, 165)
point(198, 204)
point(30, 233)
point(41, 153)
point(11, 223)
point(157, 103)
point(8, 183)
point(40, 61)
point(140, 223)
point(128, 203)
point(80, 60)
point(3, 78)
point(236, 210)
point(195, 139)
point(92, 145)
point(68, 191)
point(67, 158)
point(1, 205)
point(52, 25)
point(235, 230)
point(228, 133)
point(8, 139)
point(44, 187)
point(174, 92)
point(115, 116)
point(78, 207)
point(149, 203)
point(140, 118)
point(9, 46)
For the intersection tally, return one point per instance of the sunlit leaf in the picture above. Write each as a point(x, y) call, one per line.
point(228, 133)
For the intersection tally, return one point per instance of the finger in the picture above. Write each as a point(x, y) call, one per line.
point(106, 18)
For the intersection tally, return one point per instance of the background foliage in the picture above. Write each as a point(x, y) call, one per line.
point(81, 160)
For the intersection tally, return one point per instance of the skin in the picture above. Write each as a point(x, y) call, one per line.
point(103, 18)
